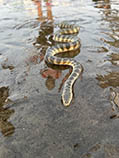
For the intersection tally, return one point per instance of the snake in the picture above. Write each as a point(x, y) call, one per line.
point(66, 41)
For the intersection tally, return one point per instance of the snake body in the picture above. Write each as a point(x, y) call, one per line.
point(70, 43)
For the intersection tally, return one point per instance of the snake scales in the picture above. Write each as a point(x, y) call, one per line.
point(70, 43)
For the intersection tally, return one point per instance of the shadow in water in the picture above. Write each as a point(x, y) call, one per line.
point(6, 127)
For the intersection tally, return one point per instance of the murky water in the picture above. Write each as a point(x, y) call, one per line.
point(33, 121)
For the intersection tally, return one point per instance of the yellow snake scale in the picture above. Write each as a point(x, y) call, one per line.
point(69, 43)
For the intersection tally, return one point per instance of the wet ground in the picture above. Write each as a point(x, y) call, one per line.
point(33, 121)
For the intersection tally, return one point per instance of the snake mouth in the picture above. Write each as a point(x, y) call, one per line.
point(65, 103)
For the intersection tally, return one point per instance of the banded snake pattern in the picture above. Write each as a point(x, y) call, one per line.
point(69, 43)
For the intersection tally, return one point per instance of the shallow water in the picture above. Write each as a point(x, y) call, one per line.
point(33, 121)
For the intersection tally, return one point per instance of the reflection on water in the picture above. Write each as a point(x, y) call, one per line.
point(110, 16)
point(45, 31)
point(52, 72)
point(51, 75)
point(46, 26)
point(114, 39)
point(114, 58)
point(103, 4)
point(40, 11)
point(111, 40)
point(6, 127)
point(42, 43)
point(111, 79)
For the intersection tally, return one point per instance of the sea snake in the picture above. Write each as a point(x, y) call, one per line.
point(69, 43)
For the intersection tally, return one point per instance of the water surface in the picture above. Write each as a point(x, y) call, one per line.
point(33, 121)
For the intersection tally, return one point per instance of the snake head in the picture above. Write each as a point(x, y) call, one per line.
point(67, 96)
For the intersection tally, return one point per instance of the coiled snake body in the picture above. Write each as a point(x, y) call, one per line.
point(71, 43)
